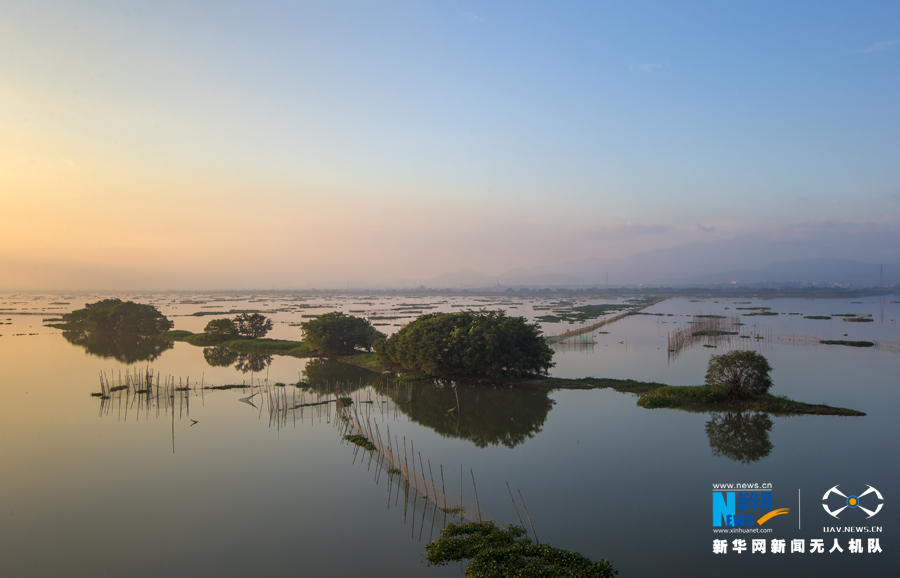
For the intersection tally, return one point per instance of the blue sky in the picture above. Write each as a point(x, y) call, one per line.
point(335, 142)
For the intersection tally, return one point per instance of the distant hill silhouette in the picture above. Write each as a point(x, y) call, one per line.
point(783, 262)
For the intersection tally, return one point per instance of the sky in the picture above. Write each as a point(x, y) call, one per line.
point(290, 145)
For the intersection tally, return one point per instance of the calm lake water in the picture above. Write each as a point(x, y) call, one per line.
point(208, 482)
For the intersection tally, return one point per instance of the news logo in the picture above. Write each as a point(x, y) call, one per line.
point(745, 509)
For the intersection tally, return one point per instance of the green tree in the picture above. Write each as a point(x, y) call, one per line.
point(469, 344)
point(117, 316)
point(223, 329)
point(739, 374)
point(336, 333)
point(253, 325)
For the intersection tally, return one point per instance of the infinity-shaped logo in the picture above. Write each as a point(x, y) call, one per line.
point(852, 501)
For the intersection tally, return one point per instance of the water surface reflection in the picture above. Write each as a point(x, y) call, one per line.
point(123, 347)
point(740, 436)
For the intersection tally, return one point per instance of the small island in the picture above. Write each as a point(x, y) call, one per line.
point(116, 316)
point(477, 346)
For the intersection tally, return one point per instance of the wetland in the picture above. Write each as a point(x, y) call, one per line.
point(231, 458)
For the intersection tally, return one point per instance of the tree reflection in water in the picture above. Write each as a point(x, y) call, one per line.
point(219, 356)
point(243, 362)
point(486, 415)
point(124, 347)
point(740, 436)
point(321, 372)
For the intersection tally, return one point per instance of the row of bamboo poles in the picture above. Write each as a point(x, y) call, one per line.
point(352, 410)
point(422, 488)
point(756, 337)
point(585, 329)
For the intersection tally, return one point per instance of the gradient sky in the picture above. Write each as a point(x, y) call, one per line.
point(213, 145)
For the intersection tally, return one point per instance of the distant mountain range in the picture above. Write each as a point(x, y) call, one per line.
point(696, 264)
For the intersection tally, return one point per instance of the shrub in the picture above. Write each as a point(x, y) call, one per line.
point(739, 374)
point(253, 325)
point(497, 552)
point(469, 344)
point(336, 333)
point(117, 316)
point(222, 329)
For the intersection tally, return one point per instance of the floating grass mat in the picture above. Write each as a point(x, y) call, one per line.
point(313, 403)
point(360, 440)
point(847, 343)
point(712, 333)
point(858, 319)
point(761, 314)
point(232, 312)
point(583, 313)
point(822, 317)
point(233, 386)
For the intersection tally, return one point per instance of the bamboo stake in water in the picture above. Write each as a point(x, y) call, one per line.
point(529, 517)
point(443, 491)
point(433, 490)
point(514, 506)
point(424, 480)
point(412, 450)
point(477, 505)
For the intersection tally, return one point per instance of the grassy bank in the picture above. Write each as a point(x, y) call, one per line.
point(652, 395)
point(262, 346)
point(704, 397)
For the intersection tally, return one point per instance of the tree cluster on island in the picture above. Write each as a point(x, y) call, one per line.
point(469, 344)
point(117, 316)
point(739, 374)
point(247, 325)
point(337, 333)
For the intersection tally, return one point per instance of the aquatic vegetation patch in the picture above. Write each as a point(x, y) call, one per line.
point(822, 317)
point(583, 312)
point(360, 440)
point(712, 333)
point(495, 552)
point(847, 343)
point(175, 335)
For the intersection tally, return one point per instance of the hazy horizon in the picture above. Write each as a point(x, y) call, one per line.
point(201, 146)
